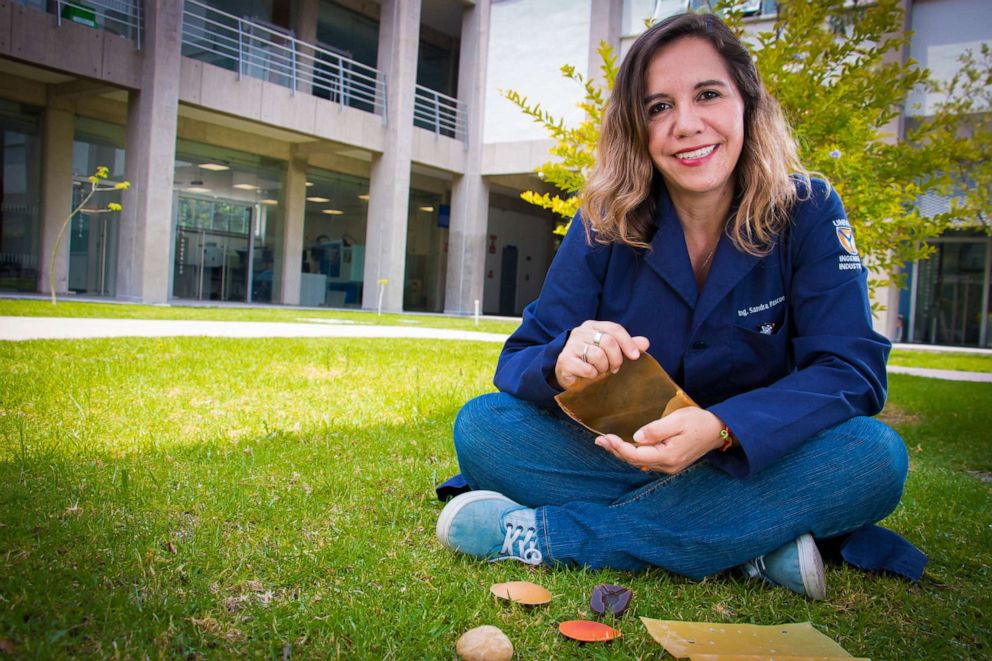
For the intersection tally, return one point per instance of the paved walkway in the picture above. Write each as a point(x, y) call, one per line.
point(69, 328)
point(950, 375)
point(65, 328)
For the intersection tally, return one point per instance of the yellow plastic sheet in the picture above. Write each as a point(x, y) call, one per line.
point(621, 403)
point(706, 641)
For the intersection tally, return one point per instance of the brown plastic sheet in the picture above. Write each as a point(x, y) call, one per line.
point(706, 641)
point(621, 403)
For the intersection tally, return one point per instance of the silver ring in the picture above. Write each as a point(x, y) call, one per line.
point(585, 354)
point(597, 338)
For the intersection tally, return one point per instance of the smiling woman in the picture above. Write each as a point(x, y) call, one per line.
point(703, 240)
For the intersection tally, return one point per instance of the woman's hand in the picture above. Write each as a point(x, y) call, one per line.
point(594, 348)
point(670, 444)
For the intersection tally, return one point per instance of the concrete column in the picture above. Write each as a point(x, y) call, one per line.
point(470, 192)
point(305, 27)
point(58, 126)
point(294, 215)
point(389, 180)
point(146, 237)
point(887, 316)
point(605, 25)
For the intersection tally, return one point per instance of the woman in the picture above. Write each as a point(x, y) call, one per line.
point(699, 242)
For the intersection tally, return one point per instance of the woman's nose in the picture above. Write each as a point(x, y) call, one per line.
point(687, 120)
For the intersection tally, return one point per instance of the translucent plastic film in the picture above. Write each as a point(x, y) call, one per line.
point(622, 403)
point(705, 641)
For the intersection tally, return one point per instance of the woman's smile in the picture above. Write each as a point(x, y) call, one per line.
point(695, 157)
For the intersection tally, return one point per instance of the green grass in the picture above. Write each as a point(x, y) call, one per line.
point(183, 497)
point(966, 362)
point(44, 308)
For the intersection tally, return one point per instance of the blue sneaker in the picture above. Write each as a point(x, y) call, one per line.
point(796, 566)
point(489, 525)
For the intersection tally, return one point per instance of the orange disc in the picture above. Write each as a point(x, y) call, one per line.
point(522, 592)
point(587, 631)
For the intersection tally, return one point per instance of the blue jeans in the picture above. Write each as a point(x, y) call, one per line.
point(598, 511)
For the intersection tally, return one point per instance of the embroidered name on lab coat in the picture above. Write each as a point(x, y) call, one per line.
point(761, 307)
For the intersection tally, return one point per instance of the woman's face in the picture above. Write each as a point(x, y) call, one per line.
point(695, 119)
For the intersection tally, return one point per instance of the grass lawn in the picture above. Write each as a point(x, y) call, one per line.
point(187, 496)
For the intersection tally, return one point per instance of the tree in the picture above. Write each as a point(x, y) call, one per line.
point(575, 146)
point(96, 186)
point(835, 68)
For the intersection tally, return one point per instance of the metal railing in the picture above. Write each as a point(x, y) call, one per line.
point(440, 113)
point(267, 52)
point(121, 17)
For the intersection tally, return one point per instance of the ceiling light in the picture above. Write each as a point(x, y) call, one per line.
point(364, 196)
point(426, 208)
point(309, 184)
point(269, 201)
point(246, 186)
point(214, 167)
point(332, 212)
point(197, 189)
point(317, 198)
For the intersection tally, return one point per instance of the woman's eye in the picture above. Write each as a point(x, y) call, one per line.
point(656, 108)
point(709, 94)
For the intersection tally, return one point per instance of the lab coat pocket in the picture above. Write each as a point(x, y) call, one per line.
point(759, 353)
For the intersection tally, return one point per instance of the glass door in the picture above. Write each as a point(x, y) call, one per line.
point(213, 250)
point(426, 254)
point(92, 247)
point(951, 289)
point(20, 198)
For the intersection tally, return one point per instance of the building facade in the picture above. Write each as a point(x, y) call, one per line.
point(279, 151)
point(340, 153)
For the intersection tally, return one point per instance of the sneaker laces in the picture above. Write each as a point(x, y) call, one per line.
point(527, 547)
point(755, 568)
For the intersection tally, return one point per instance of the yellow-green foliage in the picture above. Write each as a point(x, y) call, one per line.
point(574, 149)
point(96, 186)
point(835, 69)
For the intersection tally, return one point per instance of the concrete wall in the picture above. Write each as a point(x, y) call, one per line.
point(515, 157)
point(34, 36)
point(942, 31)
point(437, 151)
point(220, 90)
point(23, 90)
point(529, 43)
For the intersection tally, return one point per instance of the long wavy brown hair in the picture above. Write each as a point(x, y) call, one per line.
point(618, 201)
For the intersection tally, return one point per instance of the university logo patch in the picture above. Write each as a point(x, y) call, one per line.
point(845, 235)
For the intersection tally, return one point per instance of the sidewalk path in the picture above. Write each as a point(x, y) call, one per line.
point(73, 328)
point(950, 375)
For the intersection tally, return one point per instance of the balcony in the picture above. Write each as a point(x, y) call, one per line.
point(121, 17)
point(273, 54)
point(439, 113)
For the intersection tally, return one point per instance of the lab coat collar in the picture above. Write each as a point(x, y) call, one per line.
point(669, 258)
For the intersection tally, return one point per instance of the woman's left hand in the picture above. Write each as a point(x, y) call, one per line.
point(670, 444)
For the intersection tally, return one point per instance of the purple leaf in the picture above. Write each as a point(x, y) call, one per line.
point(613, 599)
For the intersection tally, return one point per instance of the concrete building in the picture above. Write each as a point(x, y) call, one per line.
point(286, 151)
point(341, 153)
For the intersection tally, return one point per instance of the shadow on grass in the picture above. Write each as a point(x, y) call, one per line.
point(253, 543)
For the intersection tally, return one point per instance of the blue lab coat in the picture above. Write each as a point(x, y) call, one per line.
point(779, 347)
